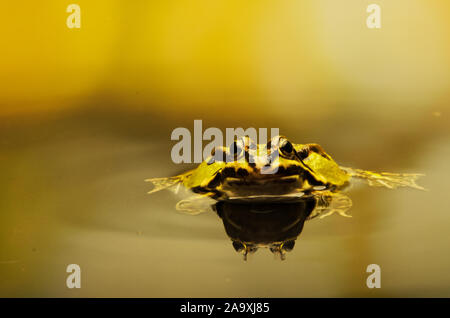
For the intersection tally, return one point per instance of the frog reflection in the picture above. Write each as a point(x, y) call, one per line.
point(275, 226)
point(246, 179)
point(271, 225)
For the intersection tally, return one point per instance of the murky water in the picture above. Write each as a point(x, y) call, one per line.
point(73, 191)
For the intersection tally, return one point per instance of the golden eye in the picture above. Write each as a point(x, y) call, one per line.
point(286, 147)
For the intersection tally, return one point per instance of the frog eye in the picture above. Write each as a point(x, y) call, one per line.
point(286, 147)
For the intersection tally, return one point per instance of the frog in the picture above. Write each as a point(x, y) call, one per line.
point(276, 171)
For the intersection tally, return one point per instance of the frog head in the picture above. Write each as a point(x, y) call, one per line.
point(248, 170)
point(278, 158)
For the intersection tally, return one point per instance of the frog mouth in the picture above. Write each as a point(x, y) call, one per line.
point(261, 179)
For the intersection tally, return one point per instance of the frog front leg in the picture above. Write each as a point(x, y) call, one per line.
point(170, 183)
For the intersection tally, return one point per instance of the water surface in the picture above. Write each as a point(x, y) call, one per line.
point(73, 191)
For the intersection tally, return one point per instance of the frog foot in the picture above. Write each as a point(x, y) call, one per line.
point(386, 179)
point(330, 203)
point(332, 211)
point(163, 183)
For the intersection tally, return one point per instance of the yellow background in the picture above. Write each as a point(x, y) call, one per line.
point(86, 115)
point(259, 58)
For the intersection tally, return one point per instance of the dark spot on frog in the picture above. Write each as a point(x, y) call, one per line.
point(303, 153)
point(215, 182)
point(291, 170)
point(318, 149)
point(199, 190)
point(228, 172)
point(242, 173)
point(314, 148)
point(312, 181)
point(281, 170)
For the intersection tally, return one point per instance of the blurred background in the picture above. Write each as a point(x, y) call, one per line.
point(86, 115)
